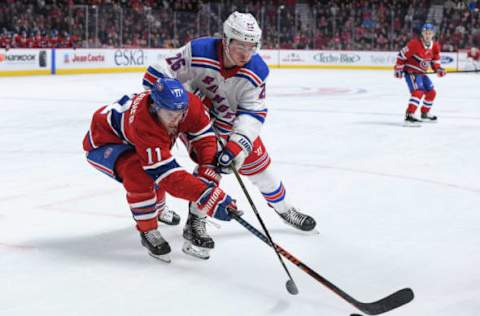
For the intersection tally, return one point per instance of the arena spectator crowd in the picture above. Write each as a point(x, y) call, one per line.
point(287, 24)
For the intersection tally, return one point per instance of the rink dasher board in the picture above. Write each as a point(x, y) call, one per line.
point(22, 62)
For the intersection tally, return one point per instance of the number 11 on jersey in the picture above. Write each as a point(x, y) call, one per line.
point(150, 154)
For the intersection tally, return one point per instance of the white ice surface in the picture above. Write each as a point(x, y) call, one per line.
point(396, 207)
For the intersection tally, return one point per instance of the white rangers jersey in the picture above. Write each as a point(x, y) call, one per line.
point(237, 95)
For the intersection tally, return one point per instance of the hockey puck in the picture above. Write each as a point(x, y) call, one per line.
point(291, 287)
point(355, 315)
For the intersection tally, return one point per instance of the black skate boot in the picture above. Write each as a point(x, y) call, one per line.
point(156, 245)
point(169, 217)
point(411, 120)
point(427, 117)
point(298, 220)
point(197, 241)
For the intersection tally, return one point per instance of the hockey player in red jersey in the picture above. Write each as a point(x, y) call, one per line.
point(130, 140)
point(413, 61)
point(473, 59)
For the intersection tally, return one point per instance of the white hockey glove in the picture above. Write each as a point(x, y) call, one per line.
point(234, 153)
point(398, 71)
point(216, 203)
point(208, 174)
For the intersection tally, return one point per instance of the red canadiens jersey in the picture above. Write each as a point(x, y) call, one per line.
point(417, 58)
point(130, 121)
point(475, 56)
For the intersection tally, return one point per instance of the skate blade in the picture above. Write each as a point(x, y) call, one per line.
point(430, 121)
point(304, 232)
point(194, 251)
point(408, 124)
point(164, 258)
point(168, 223)
point(313, 232)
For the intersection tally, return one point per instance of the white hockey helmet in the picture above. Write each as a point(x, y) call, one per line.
point(242, 27)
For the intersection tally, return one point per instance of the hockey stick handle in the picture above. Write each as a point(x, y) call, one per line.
point(386, 304)
point(291, 286)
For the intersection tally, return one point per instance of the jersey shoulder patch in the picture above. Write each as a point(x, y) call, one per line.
point(205, 47)
point(256, 71)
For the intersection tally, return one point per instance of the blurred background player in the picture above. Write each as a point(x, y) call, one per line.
point(231, 76)
point(473, 59)
point(130, 140)
point(413, 61)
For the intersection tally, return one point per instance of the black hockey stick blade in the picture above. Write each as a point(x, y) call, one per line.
point(386, 304)
point(383, 305)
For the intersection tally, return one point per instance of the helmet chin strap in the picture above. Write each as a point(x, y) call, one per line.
point(226, 49)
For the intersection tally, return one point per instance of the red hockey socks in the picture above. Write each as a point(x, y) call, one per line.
point(414, 101)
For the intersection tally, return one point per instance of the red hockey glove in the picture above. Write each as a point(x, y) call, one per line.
point(208, 174)
point(398, 71)
point(216, 203)
point(441, 72)
point(234, 153)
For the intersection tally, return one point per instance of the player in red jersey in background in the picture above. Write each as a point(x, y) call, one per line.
point(413, 61)
point(130, 140)
point(473, 59)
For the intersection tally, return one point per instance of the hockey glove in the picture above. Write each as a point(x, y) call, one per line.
point(398, 71)
point(234, 153)
point(441, 72)
point(216, 203)
point(208, 174)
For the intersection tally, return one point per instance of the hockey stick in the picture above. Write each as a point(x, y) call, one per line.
point(290, 284)
point(384, 305)
point(452, 72)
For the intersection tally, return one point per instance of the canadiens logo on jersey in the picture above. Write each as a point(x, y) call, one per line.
point(424, 64)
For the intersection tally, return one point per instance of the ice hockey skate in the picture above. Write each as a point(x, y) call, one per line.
point(157, 246)
point(298, 220)
point(411, 121)
point(197, 241)
point(427, 117)
point(169, 217)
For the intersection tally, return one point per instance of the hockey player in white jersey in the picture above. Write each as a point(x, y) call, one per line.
point(231, 76)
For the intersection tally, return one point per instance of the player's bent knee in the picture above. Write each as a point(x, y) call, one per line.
point(418, 93)
point(130, 171)
point(430, 95)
